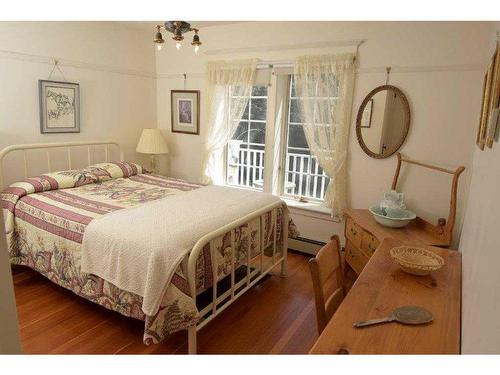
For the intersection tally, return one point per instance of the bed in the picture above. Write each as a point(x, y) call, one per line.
point(46, 219)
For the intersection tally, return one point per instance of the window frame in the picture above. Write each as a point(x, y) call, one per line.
point(270, 149)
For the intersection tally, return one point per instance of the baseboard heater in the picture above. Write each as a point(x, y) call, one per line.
point(305, 245)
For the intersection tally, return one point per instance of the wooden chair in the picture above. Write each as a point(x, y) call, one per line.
point(328, 283)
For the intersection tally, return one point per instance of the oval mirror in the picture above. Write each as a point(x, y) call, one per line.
point(383, 121)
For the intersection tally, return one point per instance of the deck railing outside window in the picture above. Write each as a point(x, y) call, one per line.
point(303, 175)
point(245, 165)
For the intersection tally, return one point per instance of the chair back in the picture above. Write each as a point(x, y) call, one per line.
point(328, 283)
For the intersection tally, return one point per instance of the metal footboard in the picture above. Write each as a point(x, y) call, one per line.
point(253, 275)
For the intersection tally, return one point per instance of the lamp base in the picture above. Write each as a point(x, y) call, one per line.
point(152, 163)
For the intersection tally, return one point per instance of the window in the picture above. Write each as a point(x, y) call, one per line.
point(300, 177)
point(245, 151)
point(303, 178)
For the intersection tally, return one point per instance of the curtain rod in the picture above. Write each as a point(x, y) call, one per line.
point(275, 64)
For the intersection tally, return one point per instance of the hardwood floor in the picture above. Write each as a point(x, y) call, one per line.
point(276, 316)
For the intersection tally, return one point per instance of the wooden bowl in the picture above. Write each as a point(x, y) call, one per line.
point(416, 260)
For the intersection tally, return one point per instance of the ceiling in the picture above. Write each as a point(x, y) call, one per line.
point(149, 26)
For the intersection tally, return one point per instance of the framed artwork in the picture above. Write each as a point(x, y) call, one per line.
point(185, 111)
point(485, 104)
point(59, 107)
point(492, 124)
point(366, 119)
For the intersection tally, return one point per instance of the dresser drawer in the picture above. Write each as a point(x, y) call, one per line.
point(353, 232)
point(356, 259)
point(368, 243)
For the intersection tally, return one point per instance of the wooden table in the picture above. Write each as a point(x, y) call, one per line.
point(380, 288)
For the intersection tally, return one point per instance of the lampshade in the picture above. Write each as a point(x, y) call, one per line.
point(152, 142)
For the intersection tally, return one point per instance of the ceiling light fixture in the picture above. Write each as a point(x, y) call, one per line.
point(158, 38)
point(177, 28)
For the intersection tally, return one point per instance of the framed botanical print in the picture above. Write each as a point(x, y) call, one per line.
point(185, 111)
point(59, 107)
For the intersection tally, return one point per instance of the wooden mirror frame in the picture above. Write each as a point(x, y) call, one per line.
point(406, 108)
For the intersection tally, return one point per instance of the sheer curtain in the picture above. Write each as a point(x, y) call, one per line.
point(324, 85)
point(229, 87)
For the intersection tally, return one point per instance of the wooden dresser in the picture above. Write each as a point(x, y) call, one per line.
point(363, 235)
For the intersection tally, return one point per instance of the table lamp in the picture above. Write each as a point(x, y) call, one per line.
point(152, 143)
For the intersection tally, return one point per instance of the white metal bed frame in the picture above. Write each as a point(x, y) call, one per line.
point(238, 288)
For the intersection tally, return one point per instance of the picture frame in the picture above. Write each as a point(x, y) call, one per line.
point(185, 111)
point(483, 118)
point(492, 124)
point(59, 104)
point(366, 119)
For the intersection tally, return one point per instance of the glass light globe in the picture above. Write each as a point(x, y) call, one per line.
point(159, 46)
point(178, 45)
point(196, 49)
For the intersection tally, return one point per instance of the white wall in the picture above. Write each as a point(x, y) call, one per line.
point(114, 65)
point(438, 65)
point(480, 249)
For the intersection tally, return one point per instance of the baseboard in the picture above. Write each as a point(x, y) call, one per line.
point(305, 245)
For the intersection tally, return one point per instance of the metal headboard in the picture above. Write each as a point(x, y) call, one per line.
point(49, 146)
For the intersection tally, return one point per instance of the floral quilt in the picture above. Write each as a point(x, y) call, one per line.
point(46, 216)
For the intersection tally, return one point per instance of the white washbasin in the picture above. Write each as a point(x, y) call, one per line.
point(393, 218)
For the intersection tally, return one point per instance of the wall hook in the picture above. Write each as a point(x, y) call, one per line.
point(388, 72)
point(56, 65)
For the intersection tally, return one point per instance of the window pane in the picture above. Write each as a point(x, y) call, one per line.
point(258, 109)
point(296, 137)
point(294, 111)
point(292, 88)
point(241, 131)
point(245, 114)
point(258, 132)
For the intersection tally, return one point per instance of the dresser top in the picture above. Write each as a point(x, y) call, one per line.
point(381, 288)
point(418, 232)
